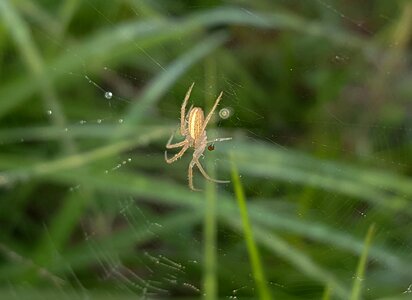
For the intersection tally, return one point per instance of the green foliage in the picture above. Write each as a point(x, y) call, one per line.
point(321, 128)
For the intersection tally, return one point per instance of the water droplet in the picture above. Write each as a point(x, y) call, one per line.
point(225, 112)
point(129, 159)
point(83, 122)
point(49, 112)
point(120, 121)
point(108, 95)
point(99, 121)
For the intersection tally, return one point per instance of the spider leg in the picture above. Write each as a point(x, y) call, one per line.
point(218, 140)
point(176, 145)
point(178, 155)
point(212, 111)
point(183, 110)
point(190, 176)
point(207, 176)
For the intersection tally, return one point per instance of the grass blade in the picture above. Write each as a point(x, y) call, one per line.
point(210, 246)
point(360, 271)
point(292, 166)
point(76, 160)
point(253, 251)
point(210, 283)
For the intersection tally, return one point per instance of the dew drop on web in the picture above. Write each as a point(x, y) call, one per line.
point(225, 113)
point(108, 95)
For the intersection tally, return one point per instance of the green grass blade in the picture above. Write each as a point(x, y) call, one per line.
point(76, 160)
point(210, 245)
point(90, 131)
point(292, 166)
point(210, 283)
point(305, 162)
point(253, 251)
point(361, 269)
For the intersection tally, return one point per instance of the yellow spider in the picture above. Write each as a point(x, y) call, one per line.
point(193, 128)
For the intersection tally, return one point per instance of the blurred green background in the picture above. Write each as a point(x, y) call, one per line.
point(319, 204)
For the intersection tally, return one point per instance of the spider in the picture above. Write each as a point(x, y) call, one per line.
point(193, 128)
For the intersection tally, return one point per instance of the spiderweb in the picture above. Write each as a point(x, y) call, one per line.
point(128, 243)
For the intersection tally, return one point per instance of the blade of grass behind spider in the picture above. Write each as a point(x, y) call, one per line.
point(253, 251)
point(360, 272)
point(210, 244)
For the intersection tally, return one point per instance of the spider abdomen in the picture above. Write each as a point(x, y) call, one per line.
point(196, 120)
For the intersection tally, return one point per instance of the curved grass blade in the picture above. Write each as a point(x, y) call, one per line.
point(253, 250)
